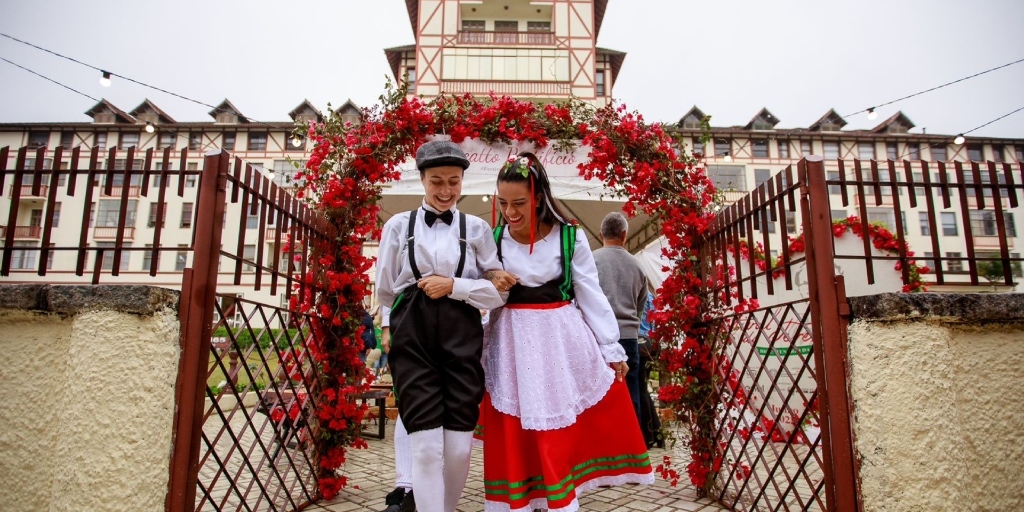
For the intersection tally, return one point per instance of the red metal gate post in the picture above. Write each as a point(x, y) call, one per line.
point(828, 330)
point(198, 293)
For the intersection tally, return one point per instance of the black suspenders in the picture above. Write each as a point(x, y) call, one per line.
point(412, 246)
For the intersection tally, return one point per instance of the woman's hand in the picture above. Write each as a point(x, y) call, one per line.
point(503, 281)
point(621, 369)
point(437, 286)
point(385, 339)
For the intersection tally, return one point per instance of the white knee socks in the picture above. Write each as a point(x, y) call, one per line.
point(403, 458)
point(457, 448)
point(440, 466)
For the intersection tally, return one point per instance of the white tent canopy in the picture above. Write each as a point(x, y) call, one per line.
point(588, 201)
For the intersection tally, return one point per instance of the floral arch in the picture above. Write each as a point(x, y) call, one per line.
point(641, 163)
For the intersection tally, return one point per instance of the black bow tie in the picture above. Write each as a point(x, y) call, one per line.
point(445, 217)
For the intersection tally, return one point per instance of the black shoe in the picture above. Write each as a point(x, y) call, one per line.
point(409, 503)
point(395, 500)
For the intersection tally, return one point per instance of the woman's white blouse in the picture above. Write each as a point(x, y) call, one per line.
point(545, 264)
point(437, 253)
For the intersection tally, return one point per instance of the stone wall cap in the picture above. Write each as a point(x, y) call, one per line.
point(71, 299)
point(947, 307)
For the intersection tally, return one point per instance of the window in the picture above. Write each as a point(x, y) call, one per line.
point(181, 257)
point(939, 153)
point(913, 151)
point(890, 151)
point(691, 122)
point(257, 142)
point(698, 146)
point(35, 218)
point(229, 141)
point(92, 213)
point(154, 210)
point(930, 261)
point(108, 256)
point(167, 140)
point(883, 216)
point(538, 32)
point(831, 150)
point(67, 139)
point(599, 83)
point(783, 149)
point(190, 179)
point(109, 212)
point(723, 147)
point(974, 152)
point(101, 141)
point(186, 215)
point(147, 258)
point(833, 189)
point(838, 214)
point(954, 265)
point(284, 172)
point(997, 152)
point(506, 31)
point(866, 150)
point(790, 222)
point(506, 26)
point(252, 221)
point(760, 148)
point(38, 139)
point(761, 176)
point(474, 26)
point(411, 77)
point(805, 148)
point(983, 223)
point(195, 141)
point(728, 177)
point(249, 254)
point(926, 227)
point(949, 224)
point(538, 26)
point(22, 259)
point(56, 213)
point(1019, 150)
point(129, 140)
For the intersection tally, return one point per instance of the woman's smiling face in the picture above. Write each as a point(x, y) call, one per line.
point(442, 186)
point(514, 203)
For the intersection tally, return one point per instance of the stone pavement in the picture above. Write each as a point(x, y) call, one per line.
point(371, 475)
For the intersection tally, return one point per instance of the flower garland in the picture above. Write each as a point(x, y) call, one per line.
point(351, 162)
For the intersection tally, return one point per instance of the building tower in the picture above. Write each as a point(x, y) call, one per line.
point(527, 49)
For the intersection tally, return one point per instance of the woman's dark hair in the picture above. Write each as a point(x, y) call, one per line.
point(514, 171)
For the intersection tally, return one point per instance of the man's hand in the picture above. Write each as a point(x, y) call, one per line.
point(503, 281)
point(437, 286)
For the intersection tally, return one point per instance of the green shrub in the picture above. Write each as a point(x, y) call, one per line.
point(243, 337)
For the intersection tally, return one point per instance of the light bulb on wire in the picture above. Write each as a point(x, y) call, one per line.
point(727, 158)
point(959, 139)
point(150, 128)
point(296, 142)
point(872, 115)
point(105, 79)
point(485, 198)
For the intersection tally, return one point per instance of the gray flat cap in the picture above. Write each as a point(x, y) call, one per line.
point(439, 153)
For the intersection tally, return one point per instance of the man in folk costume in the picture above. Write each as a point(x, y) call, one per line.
point(436, 270)
point(557, 418)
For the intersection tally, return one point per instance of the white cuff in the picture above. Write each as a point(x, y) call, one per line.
point(460, 289)
point(613, 353)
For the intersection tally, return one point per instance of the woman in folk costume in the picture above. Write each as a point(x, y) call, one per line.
point(431, 272)
point(557, 418)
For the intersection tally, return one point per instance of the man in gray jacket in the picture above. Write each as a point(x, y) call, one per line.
point(625, 285)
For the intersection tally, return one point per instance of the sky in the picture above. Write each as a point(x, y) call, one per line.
point(798, 58)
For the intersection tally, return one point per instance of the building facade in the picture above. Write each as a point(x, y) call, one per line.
point(529, 50)
point(741, 158)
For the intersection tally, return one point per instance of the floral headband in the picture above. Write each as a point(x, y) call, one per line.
point(521, 166)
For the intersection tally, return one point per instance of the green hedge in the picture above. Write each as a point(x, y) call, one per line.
point(244, 337)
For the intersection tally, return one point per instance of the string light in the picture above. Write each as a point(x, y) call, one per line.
point(872, 115)
point(959, 139)
point(485, 198)
point(296, 142)
point(105, 79)
point(149, 127)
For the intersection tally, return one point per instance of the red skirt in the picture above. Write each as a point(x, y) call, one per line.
point(527, 469)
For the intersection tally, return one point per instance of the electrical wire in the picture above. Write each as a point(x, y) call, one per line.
point(992, 121)
point(934, 88)
point(76, 91)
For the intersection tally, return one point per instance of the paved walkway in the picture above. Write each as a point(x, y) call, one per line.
point(371, 475)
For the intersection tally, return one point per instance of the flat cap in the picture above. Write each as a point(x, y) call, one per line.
point(439, 153)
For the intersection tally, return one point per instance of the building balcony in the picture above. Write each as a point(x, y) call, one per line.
point(991, 242)
point(507, 38)
point(23, 232)
point(508, 87)
point(110, 233)
point(116, 190)
point(26, 192)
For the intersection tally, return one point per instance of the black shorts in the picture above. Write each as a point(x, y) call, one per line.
point(436, 346)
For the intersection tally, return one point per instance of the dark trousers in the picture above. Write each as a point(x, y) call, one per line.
point(650, 422)
point(436, 346)
point(633, 376)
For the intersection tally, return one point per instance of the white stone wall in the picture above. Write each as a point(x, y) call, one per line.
point(938, 422)
point(86, 409)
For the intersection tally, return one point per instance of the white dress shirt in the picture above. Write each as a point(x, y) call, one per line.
point(437, 253)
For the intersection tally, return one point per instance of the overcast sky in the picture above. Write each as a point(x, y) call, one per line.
point(797, 58)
